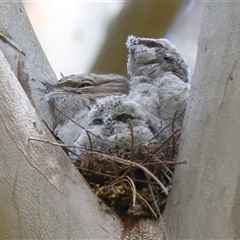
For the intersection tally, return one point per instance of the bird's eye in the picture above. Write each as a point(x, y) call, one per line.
point(84, 85)
point(151, 44)
point(98, 121)
point(123, 117)
point(166, 58)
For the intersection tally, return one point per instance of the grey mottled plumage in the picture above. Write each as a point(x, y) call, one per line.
point(104, 104)
point(109, 119)
point(153, 58)
point(74, 96)
point(159, 77)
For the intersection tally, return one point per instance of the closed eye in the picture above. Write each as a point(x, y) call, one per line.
point(123, 117)
point(97, 121)
point(84, 85)
point(151, 44)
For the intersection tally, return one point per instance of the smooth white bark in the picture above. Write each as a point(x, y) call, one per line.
point(21, 48)
point(204, 202)
point(42, 195)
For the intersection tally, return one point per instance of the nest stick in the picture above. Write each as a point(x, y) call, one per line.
point(166, 125)
point(127, 162)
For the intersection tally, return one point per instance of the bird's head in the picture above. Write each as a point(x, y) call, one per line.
point(77, 93)
point(109, 118)
point(153, 57)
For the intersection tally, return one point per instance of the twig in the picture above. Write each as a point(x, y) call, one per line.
point(173, 143)
point(168, 169)
point(127, 162)
point(174, 118)
point(11, 43)
point(154, 199)
point(50, 142)
point(95, 172)
point(132, 140)
point(167, 139)
point(159, 147)
point(132, 187)
point(166, 125)
point(135, 193)
point(165, 174)
point(89, 139)
point(147, 204)
point(65, 115)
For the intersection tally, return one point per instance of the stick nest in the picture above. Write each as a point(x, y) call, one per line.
point(135, 180)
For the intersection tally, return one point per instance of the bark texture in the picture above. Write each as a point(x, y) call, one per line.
point(21, 48)
point(42, 195)
point(204, 202)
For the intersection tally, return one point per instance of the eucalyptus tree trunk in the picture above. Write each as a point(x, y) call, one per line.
point(205, 198)
point(42, 195)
